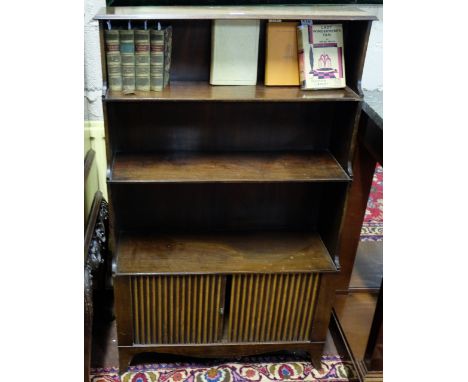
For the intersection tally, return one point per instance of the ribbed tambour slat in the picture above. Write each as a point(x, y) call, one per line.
point(177, 309)
point(274, 307)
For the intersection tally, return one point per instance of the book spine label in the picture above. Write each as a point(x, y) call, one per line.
point(113, 59)
point(127, 52)
point(142, 60)
point(157, 60)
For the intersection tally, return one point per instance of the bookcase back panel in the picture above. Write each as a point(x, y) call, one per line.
point(212, 126)
point(217, 207)
point(274, 307)
point(191, 49)
point(177, 309)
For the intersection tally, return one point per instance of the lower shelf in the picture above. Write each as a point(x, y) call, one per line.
point(227, 253)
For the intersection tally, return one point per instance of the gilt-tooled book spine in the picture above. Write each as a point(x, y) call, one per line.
point(167, 54)
point(127, 53)
point(157, 60)
point(321, 56)
point(114, 70)
point(161, 47)
point(142, 60)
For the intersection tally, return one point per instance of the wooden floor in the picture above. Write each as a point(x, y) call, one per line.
point(356, 309)
point(368, 266)
point(355, 312)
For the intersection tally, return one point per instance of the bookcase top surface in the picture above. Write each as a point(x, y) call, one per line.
point(284, 12)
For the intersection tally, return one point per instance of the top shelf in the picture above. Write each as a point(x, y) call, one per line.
point(259, 12)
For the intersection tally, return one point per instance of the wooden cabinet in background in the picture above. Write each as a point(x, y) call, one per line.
point(226, 202)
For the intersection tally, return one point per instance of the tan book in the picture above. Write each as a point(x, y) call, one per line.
point(281, 62)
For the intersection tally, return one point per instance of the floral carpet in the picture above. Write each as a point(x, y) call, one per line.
point(263, 370)
point(372, 227)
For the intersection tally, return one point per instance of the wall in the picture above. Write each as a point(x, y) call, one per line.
point(372, 78)
point(94, 129)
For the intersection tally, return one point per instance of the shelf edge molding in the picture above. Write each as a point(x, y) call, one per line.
point(261, 12)
point(204, 92)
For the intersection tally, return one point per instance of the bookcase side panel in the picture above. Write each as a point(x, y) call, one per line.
point(343, 133)
point(123, 310)
point(356, 36)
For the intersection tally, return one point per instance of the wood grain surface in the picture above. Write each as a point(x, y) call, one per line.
point(226, 167)
point(203, 91)
point(269, 252)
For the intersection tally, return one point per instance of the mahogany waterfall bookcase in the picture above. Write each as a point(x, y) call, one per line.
point(227, 202)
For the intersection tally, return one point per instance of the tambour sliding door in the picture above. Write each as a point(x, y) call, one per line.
point(272, 307)
point(177, 309)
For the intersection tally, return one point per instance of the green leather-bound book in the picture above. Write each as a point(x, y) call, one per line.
point(127, 53)
point(114, 71)
point(142, 59)
point(161, 47)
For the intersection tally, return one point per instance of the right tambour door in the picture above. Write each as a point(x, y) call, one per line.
point(272, 307)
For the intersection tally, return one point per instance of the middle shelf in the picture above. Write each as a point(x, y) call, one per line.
point(254, 252)
point(189, 167)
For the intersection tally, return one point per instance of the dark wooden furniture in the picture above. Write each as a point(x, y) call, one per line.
point(369, 152)
point(95, 253)
point(371, 367)
point(227, 202)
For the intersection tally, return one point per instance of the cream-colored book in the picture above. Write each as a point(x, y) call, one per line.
point(234, 52)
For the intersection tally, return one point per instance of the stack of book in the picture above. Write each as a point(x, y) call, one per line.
point(138, 59)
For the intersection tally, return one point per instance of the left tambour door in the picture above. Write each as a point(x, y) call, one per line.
point(177, 309)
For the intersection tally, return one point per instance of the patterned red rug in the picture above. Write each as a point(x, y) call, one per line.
point(334, 370)
point(372, 228)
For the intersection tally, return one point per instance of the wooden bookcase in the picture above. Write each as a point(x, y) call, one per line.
point(226, 202)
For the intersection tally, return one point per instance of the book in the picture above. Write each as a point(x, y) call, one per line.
point(234, 52)
point(167, 54)
point(114, 70)
point(142, 59)
point(161, 49)
point(281, 60)
point(127, 53)
point(321, 56)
